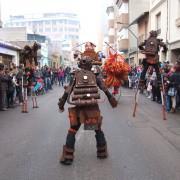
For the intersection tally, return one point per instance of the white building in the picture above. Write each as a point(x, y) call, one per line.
point(13, 34)
point(57, 26)
point(165, 18)
point(174, 29)
point(121, 22)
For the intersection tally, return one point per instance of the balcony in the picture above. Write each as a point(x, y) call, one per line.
point(123, 44)
point(111, 32)
point(110, 23)
point(120, 2)
point(122, 20)
point(110, 9)
point(178, 22)
point(111, 39)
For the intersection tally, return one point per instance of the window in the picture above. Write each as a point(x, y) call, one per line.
point(40, 30)
point(47, 22)
point(158, 23)
point(54, 29)
point(60, 29)
point(22, 24)
point(54, 22)
point(179, 9)
point(47, 30)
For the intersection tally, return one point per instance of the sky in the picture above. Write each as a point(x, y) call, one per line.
point(91, 12)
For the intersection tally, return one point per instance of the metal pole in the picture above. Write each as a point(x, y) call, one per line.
point(128, 27)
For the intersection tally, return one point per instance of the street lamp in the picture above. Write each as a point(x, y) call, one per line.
point(133, 34)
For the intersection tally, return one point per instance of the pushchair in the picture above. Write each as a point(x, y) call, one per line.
point(39, 87)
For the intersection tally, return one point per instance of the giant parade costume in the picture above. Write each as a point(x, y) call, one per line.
point(150, 48)
point(28, 58)
point(83, 94)
point(116, 70)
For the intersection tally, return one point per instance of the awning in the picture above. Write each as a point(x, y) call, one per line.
point(9, 46)
point(144, 14)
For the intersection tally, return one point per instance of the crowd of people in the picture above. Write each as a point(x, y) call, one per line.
point(170, 81)
point(42, 80)
point(37, 80)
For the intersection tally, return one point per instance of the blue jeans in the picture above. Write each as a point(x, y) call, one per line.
point(61, 81)
point(168, 103)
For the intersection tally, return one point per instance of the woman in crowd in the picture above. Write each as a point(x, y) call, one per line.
point(174, 86)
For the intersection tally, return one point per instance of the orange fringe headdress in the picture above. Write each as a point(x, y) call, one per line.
point(116, 70)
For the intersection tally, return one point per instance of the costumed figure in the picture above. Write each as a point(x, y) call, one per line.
point(28, 57)
point(25, 83)
point(82, 92)
point(150, 48)
point(90, 52)
point(116, 70)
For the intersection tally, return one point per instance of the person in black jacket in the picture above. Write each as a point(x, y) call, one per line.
point(174, 83)
point(3, 89)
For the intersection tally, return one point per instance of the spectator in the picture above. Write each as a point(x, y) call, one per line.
point(3, 88)
point(174, 83)
point(61, 76)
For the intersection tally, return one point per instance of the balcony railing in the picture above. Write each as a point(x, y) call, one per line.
point(122, 20)
point(111, 39)
point(110, 23)
point(123, 44)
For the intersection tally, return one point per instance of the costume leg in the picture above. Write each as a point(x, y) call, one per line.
point(156, 67)
point(68, 149)
point(33, 101)
point(143, 74)
point(101, 144)
point(36, 102)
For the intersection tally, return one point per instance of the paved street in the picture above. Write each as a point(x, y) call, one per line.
point(141, 148)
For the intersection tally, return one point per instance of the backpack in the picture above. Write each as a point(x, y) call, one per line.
point(151, 46)
point(85, 90)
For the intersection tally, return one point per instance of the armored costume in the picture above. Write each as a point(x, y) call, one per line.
point(82, 92)
point(150, 48)
point(28, 57)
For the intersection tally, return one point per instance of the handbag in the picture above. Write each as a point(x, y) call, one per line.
point(172, 92)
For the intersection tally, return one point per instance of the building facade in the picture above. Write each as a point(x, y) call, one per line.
point(174, 30)
point(19, 36)
point(138, 27)
point(13, 34)
point(9, 53)
point(121, 23)
point(111, 26)
point(118, 20)
point(159, 21)
point(56, 26)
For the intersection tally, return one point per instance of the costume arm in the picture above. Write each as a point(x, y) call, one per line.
point(67, 91)
point(162, 44)
point(103, 87)
point(141, 45)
